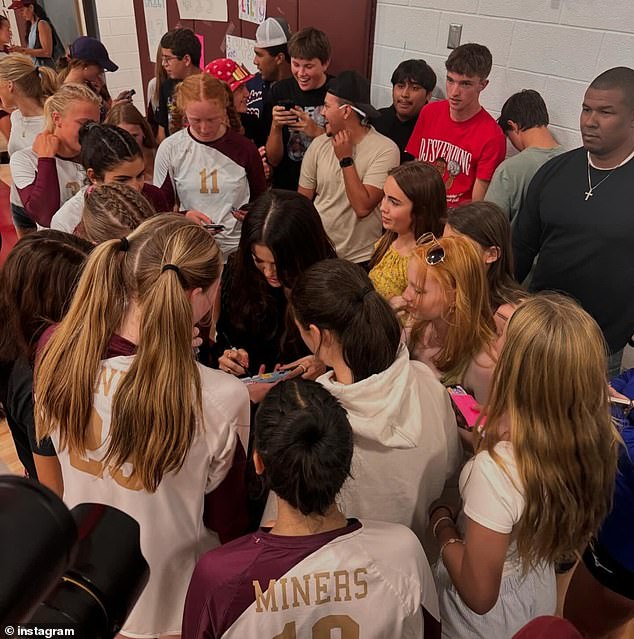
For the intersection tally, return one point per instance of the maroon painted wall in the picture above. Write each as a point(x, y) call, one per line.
point(351, 39)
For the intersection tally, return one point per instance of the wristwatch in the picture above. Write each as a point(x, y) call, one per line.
point(344, 162)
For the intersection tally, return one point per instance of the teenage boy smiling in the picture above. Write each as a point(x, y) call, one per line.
point(457, 134)
point(293, 129)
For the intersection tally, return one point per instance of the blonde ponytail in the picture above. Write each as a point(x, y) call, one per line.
point(157, 405)
point(36, 83)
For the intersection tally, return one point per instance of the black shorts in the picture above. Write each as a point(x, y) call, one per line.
point(20, 219)
point(609, 572)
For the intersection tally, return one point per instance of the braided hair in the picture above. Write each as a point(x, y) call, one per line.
point(104, 146)
point(112, 211)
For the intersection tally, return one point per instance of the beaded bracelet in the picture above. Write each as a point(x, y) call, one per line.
point(453, 540)
point(433, 530)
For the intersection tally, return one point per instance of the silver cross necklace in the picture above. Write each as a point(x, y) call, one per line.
point(589, 193)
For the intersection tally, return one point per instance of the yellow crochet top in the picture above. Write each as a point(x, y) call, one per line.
point(389, 276)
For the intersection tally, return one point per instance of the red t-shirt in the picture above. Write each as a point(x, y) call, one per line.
point(461, 151)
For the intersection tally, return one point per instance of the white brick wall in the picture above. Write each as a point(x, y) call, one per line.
point(117, 29)
point(553, 46)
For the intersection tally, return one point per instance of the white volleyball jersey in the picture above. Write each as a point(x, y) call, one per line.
point(212, 177)
point(172, 532)
point(369, 580)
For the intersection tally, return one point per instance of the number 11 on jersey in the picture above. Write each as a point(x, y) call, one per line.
point(204, 186)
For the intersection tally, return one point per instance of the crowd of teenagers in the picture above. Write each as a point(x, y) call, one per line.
point(353, 372)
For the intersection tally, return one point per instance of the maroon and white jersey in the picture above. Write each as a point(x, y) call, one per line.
point(212, 177)
point(369, 580)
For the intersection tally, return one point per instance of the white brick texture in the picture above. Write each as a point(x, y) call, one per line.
point(554, 46)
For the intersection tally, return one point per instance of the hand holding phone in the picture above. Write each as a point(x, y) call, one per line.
point(467, 406)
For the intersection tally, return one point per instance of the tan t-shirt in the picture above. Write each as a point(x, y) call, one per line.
point(373, 157)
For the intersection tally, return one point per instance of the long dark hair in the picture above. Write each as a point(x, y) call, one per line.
point(338, 296)
point(487, 225)
point(40, 14)
point(36, 285)
point(289, 225)
point(424, 187)
point(305, 441)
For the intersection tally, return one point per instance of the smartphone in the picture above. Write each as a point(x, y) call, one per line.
point(287, 104)
point(266, 378)
point(467, 406)
point(126, 95)
point(214, 227)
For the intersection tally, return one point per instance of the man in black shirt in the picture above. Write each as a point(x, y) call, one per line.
point(293, 114)
point(180, 57)
point(578, 214)
point(412, 84)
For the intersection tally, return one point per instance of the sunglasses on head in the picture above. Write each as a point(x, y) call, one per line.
point(436, 253)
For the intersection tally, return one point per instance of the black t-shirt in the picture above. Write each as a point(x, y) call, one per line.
point(286, 174)
point(400, 132)
point(169, 117)
point(584, 242)
point(254, 129)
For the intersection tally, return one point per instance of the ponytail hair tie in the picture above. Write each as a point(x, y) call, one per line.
point(124, 245)
point(171, 267)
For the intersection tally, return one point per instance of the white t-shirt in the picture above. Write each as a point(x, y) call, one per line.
point(493, 498)
point(173, 535)
point(24, 130)
point(70, 213)
point(374, 156)
point(212, 178)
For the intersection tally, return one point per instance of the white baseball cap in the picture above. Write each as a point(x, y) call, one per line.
point(272, 33)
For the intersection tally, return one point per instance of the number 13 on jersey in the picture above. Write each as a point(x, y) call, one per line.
point(204, 181)
point(344, 626)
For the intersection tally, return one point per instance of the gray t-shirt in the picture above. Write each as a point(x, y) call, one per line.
point(511, 179)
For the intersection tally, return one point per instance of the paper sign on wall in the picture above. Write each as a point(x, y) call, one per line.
point(252, 10)
point(4, 10)
point(214, 10)
point(241, 50)
point(155, 23)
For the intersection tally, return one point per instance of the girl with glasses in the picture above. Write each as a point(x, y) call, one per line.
point(450, 325)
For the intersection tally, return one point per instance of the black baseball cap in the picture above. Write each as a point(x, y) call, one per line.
point(354, 89)
point(90, 49)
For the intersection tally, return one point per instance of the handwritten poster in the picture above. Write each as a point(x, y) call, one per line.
point(213, 10)
point(252, 10)
point(241, 50)
point(155, 23)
